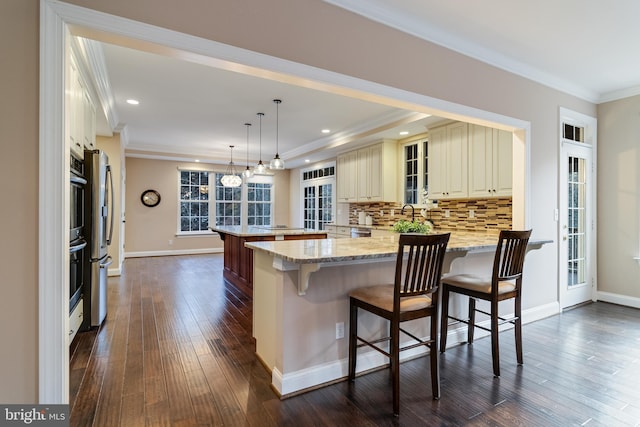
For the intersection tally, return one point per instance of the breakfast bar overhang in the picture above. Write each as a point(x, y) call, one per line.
point(301, 304)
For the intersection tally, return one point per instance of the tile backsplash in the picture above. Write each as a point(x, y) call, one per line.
point(463, 214)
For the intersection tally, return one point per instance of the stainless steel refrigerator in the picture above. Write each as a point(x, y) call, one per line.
point(99, 228)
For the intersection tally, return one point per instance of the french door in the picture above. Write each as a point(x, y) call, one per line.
point(577, 226)
point(319, 202)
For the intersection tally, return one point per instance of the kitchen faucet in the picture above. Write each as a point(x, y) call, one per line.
point(413, 212)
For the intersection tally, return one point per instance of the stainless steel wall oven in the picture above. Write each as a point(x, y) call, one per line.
point(77, 242)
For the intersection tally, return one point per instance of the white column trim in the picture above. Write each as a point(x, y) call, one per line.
point(53, 250)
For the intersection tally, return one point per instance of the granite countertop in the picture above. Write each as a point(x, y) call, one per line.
point(260, 230)
point(348, 249)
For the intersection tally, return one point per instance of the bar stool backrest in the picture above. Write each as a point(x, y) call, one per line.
point(509, 258)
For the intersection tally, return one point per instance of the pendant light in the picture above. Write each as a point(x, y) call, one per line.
point(230, 177)
point(260, 168)
point(248, 173)
point(276, 162)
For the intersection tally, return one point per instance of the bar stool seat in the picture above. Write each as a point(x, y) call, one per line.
point(479, 283)
point(382, 296)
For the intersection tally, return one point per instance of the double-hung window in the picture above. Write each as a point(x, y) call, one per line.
point(194, 201)
point(204, 200)
point(228, 203)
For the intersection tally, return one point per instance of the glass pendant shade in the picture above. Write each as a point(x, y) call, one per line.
point(277, 162)
point(231, 177)
point(247, 173)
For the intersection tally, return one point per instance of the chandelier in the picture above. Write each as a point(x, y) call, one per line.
point(231, 177)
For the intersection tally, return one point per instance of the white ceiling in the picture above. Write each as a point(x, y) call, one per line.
point(189, 110)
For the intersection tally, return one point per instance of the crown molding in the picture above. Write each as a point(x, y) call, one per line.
point(619, 94)
point(94, 59)
point(359, 132)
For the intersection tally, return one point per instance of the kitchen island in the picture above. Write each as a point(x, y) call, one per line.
point(238, 259)
point(301, 304)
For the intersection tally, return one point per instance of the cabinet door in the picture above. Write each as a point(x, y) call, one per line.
point(480, 161)
point(347, 177)
point(376, 173)
point(437, 163)
point(363, 174)
point(74, 111)
point(457, 163)
point(89, 122)
point(502, 163)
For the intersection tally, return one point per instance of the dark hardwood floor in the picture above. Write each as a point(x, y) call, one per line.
point(176, 350)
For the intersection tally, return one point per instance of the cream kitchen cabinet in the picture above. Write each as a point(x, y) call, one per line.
point(347, 171)
point(490, 162)
point(89, 122)
point(81, 113)
point(75, 119)
point(337, 231)
point(448, 162)
point(362, 177)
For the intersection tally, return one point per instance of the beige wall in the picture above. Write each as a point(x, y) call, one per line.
point(619, 197)
point(112, 147)
point(307, 31)
point(19, 211)
point(148, 230)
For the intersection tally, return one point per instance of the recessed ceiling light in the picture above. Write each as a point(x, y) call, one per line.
point(307, 160)
point(404, 132)
point(326, 130)
point(197, 160)
point(133, 101)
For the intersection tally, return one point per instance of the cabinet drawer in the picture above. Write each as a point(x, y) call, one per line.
point(75, 320)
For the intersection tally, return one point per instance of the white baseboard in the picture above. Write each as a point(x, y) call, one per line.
point(173, 252)
point(311, 377)
point(314, 376)
point(619, 299)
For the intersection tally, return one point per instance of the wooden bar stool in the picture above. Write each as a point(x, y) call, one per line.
point(504, 283)
point(413, 295)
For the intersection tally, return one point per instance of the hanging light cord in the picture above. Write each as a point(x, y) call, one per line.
point(247, 125)
point(260, 116)
point(277, 101)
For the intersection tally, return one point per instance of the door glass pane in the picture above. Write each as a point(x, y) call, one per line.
point(310, 207)
point(576, 233)
point(325, 209)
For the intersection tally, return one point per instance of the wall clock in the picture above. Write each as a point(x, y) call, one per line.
point(150, 198)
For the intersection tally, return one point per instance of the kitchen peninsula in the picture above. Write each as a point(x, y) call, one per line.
point(301, 304)
point(238, 259)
